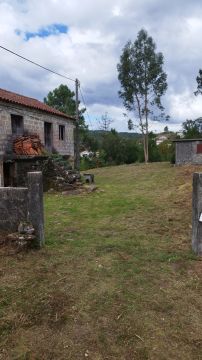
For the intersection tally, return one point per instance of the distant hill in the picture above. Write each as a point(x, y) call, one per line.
point(127, 135)
point(130, 135)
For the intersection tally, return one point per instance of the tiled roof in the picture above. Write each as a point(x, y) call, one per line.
point(14, 98)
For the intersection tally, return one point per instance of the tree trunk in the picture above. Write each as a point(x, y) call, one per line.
point(146, 149)
point(145, 143)
point(146, 128)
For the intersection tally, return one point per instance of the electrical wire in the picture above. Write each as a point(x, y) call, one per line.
point(85, 106)
point(34, 63)
point(51, 71)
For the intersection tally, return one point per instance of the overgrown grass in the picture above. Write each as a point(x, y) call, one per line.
point(117, 278)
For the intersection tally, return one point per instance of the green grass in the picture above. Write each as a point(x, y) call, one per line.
point(117, 278)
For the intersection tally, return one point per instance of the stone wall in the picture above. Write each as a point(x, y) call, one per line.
point(23, 204)
point(24, 166)
point(1, 172)
point(33, 121)
point(186, 152)
point(13, 207)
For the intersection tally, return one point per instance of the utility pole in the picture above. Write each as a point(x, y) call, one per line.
point(77, 142)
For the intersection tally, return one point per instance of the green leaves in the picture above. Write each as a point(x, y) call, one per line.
point(141, 75)
point(143, 82)
point(62, 99)
point(199, 82)
point(192, 128)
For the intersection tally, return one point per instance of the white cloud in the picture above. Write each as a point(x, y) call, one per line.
point(116, 11)
point(185, 105)
point(90, 50)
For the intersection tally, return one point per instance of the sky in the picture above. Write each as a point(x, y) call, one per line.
point(84, 40)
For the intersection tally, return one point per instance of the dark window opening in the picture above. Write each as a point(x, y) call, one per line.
point(17, 124)
point(199, 149)
point(61, 132)
point(48, 136)
point(9, 174)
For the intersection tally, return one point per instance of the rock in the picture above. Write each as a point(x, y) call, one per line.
point(51, 191)
point(91, 188)
point(21, 228)
point(30, 237)
point(23, 239)
point(12, 237)
point(30, 231)
point(56, 175)
point(25, 228)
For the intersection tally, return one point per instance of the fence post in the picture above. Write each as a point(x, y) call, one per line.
point(35, 205)
point(1, 173)
point(197, 214)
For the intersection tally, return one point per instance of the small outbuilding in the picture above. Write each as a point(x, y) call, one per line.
point(188, 151)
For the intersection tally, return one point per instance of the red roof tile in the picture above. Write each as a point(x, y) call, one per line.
point(14, 98)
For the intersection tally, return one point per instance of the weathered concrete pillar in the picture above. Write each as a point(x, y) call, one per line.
point(197, 214)
point(35, 205)
point(1, 173)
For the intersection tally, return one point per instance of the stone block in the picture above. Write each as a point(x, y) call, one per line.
point(35, 205)
point(197, 214)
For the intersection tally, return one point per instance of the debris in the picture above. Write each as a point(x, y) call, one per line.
point(23, 239)
point(58, 178)
point(137, 336)
point(91, 188)
point(25, 228)
point(28, 145)
point(119, 316)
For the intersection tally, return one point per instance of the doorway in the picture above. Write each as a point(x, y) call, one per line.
point(48, 136)
point(9, 174)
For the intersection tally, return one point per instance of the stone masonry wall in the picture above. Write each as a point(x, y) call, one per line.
point(23, 204)
point(186, 152)
point(33, 121)
point(13, 207)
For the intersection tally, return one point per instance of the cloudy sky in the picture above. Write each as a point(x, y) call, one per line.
point(84, 40)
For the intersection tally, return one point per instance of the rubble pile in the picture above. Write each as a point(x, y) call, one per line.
point(23, 239)
point(58, 177)
point(28, 145)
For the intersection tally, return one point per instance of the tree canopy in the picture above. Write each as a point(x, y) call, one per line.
point(143, 82)
point(105, 122)
point(199, 83)
point(63, 99)
point(192, 128)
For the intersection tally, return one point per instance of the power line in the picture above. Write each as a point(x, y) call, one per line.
point(85, 106)
point(34, 63)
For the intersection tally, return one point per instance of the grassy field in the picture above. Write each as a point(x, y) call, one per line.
point(117, 278)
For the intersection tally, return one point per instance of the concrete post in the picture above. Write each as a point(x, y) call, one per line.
point(35, 205)
point(197, 214)
point(1, 173)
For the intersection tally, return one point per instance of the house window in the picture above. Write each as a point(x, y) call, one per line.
point(17, 124)
point(199, 149)
point(61, 132)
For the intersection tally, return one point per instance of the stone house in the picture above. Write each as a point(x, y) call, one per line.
point(188, 151)
point(20, 115)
